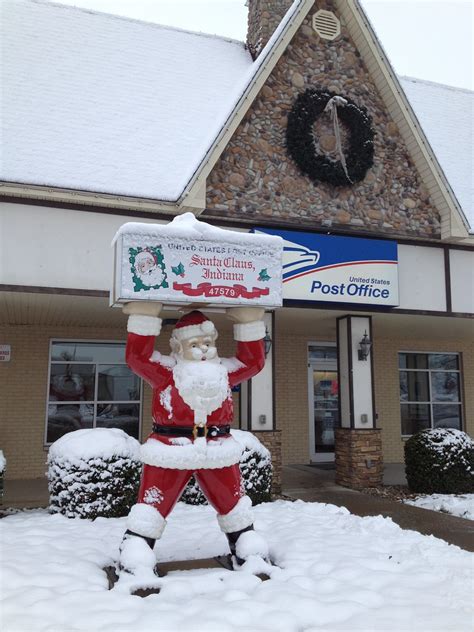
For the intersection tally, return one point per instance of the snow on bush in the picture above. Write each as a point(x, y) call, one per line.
point(457, 505)
point(440, 461)
point(94, 472)
point(255, 467)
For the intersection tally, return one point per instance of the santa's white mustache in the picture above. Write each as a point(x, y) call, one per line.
point(199, 354)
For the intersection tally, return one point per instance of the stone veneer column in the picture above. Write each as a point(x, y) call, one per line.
point(272, 441)
point(263, 18)
point(359, 460)
point(358, 443)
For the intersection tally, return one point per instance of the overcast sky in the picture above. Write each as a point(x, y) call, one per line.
point(428, 39)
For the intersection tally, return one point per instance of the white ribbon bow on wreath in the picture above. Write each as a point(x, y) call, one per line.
point(331, 108)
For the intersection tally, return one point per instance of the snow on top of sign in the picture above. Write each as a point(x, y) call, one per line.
point(94, 443)
point(3, 461)
point(187, 226)
point(446, 114)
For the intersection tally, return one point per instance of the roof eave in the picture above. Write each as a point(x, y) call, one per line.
point(194, 203)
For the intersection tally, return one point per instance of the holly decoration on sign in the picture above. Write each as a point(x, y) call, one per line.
point(263, 275)
point(178, 270)
point(147, 267)
point(300, 138)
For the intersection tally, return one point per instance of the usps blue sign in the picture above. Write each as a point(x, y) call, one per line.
point(338, 269)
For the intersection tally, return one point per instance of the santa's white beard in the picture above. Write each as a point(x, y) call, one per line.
point(151, 277)
point(204, 386)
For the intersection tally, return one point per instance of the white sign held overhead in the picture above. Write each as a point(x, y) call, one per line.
point(188, 261)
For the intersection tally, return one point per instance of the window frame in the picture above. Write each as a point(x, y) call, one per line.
point(95, 401)
point(428, 370)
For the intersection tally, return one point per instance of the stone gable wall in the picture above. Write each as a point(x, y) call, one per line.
point(255, 180)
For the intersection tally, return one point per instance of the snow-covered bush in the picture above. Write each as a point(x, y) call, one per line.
point(3, 466)
point(255, 467)
point(440, 461)
point(94, 473)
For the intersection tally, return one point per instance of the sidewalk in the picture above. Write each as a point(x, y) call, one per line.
point(312, 484)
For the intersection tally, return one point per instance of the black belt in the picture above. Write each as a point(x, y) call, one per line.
point(198, 430)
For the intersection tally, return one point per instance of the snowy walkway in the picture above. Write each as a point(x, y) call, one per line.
point(339, 572)
point(315, 485)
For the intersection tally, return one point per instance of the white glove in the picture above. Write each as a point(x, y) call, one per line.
point(143, 308)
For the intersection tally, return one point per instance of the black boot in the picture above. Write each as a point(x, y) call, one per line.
point(149, 541)
point(128, 535)
point(232, 539)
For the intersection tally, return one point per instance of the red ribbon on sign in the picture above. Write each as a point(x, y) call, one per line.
point(209, 290)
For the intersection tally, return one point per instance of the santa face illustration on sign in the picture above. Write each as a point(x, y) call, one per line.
point(147, 269)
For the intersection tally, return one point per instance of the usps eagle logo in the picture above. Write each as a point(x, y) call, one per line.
point(298, 260)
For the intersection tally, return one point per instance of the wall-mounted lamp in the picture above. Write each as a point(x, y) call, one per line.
point(364, 347)
point(267, 341)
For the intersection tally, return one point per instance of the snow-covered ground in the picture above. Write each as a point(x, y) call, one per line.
point(458, 505)
point(338, 572)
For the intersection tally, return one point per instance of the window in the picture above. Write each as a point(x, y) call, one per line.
point(90, 386)
point(430, 391)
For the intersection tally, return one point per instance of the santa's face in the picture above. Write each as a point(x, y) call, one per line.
point(199, 348)
point(145, 263)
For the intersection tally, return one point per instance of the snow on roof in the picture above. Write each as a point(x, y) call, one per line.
point(446, 115)
point(108, 104)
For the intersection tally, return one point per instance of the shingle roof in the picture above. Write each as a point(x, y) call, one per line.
point(446, 115)
point(108, 104)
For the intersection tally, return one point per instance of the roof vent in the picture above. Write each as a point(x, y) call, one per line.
point(326, 24)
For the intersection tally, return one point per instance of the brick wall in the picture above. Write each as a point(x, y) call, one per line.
point(272, 441)
point(387, 387)
point(24, 389)
point(291, 380)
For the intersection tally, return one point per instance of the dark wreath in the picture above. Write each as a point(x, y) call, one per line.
point(300, 139)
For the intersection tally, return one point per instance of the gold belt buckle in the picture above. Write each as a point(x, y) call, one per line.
point(196, 430)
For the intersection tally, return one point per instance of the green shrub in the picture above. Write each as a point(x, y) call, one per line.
point(94, 473)
point(255, 467)
point(440, 461)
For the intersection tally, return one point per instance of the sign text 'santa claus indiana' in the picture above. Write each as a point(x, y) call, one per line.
point(189, 261)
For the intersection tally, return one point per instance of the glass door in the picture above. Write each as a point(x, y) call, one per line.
point(323, 401)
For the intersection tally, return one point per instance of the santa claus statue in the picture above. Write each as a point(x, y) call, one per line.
point(192, 412)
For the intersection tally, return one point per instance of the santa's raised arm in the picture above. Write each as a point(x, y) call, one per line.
point(192, 411)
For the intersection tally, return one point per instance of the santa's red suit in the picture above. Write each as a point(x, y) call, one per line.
point(192, 411)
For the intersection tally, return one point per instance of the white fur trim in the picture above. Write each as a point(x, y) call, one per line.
point(248, 332)
point(146, 521)
point(232, 364)
point(167, 361)
point(200, 455)
point(206, 328)
point(238, 518)
point(144, 325)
